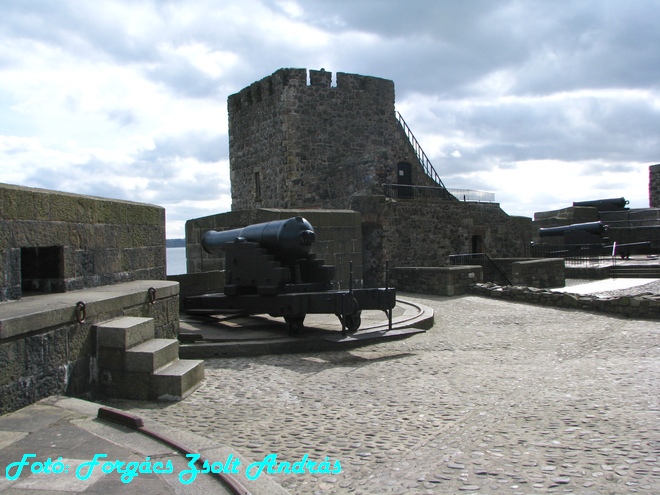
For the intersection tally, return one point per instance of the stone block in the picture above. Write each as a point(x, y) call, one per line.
point(80, 377)
point(151, 355)
point(109, 212)
point(177, 380)
point(13, 359)
point(63, 208)
point(111, 358)
point(125, 384)
point(81, 341)
point(125, 332)
point(46, 351)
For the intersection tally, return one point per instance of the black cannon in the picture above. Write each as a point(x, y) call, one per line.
point(594, 228)
point(269, 269)
point(289, 239)
point(611, 204)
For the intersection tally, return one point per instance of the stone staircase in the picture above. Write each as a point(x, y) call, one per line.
point(134, 365)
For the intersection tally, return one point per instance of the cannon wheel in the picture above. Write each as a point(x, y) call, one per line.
point(295, 325)
point(352, 322)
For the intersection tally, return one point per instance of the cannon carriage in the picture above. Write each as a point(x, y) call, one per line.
point(269, 269)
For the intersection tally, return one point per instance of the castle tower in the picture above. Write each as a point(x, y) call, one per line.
point(297, 143)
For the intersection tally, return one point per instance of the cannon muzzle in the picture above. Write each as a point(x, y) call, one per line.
point(290, 239)
point(597, 228)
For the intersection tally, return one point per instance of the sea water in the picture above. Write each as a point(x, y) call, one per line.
point(176, 260)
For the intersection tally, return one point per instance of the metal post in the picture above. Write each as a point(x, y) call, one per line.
point(387, 286)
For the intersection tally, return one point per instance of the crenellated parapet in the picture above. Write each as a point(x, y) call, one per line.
point(301, 80)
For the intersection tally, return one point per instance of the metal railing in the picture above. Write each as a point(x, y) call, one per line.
point(589, 254)
point(415, 192)
point(423, 159)
point(471, 195)
point(574, 251)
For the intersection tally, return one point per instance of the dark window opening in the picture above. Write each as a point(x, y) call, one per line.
point(477, 244)
point(404, 180)
point(42, 269)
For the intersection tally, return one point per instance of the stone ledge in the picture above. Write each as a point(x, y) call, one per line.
point(32, 314)
point(639, 306)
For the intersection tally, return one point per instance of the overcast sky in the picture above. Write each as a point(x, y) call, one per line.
point(541, 102)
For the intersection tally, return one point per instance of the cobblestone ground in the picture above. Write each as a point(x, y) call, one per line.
point(498, 397)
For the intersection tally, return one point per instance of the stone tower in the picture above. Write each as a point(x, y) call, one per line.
point(297, 143)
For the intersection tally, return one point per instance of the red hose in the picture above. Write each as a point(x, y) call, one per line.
point(136, 423)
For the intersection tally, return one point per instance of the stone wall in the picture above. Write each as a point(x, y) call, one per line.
point(64, 248)
point(338, 239)
point(75, 241)
point(543, 273)
point(641, 306)
point(294, 143)
point(423, 233)
point(654, 186)
point(443, 281)
point(45, 350)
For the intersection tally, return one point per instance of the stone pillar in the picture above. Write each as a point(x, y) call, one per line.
point(654, 186)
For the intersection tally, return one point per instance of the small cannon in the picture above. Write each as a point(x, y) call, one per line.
point(594, 228)
point(611, 204)
point(578, 239)
point(269, 268)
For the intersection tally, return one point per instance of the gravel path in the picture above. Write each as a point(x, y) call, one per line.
point(497, 398)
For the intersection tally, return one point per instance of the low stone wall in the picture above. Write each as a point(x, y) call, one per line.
point(44, 350)
point(588, 272)
point(543, 273)
point(443, 281)
point(640, 306)
point(53, 241)
point(196, 284)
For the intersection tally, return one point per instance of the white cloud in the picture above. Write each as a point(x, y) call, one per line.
point(538, 101)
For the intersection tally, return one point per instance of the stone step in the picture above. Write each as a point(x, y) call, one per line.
point(125, 332)
point(135, 365)
point(177, 380)
point(151, 355)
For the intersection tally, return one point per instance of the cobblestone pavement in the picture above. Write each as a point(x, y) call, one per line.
point(498, 397)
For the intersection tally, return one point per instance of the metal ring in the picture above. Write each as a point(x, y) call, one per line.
point(152, 296)
point(81, 312)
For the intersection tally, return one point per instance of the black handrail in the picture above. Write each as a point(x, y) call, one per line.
point(423, 159)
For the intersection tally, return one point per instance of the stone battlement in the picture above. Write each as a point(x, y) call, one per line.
point(299, 79)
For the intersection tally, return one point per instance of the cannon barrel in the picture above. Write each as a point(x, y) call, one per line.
point(604, 204)
point(597, 228)
point(292, 238)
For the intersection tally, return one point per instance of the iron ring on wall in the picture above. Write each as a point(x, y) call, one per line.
point(81, 312)
point(152, 295)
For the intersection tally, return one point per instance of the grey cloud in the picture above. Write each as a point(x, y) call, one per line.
point(203, 188)
point(77, 27)
point(123, 118)
point(593, 128)
point(184, 79)
point(546, 46)
point(205, 147)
